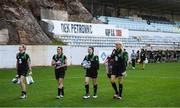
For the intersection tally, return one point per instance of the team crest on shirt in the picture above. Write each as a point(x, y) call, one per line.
point(20, 61)
point(59, 62)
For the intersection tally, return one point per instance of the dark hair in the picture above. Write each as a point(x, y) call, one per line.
point(92, 48)
point(60, 48)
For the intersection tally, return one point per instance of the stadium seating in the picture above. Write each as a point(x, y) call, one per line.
point(81, 41)
point(141, 34)
point(139, 24)
point(156, 19)
point(178, 23)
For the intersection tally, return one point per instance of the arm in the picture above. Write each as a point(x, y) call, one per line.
point(16, 62)
point(29, 65)
point(83, 60)
point(127, 57)
point(53, 62)
point(65, 62)
point(97, 62)
point(106, 61)
point(16, 66)
point(112, 54)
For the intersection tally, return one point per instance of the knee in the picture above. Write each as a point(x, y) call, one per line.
point(21, 81)
point(112, 80)
point(60, 85)
point(60, 82)
point(86, 83)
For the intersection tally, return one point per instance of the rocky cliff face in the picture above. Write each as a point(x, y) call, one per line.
point(22, 18)
point(21, 24)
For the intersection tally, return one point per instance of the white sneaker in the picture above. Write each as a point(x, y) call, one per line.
point(58, 97)
point(124, 74)
point(133, 68)
point(118, 97)
point(86, 96)
point(95, 96)
point(61, 96)
point(23, 97)
point(115, 96)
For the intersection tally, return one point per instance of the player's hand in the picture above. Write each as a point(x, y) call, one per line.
point(30, 72)
point(58, 63)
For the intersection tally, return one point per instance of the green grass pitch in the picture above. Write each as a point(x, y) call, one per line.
point(156, 86)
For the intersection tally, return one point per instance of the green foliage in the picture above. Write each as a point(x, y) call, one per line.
point(20, 2)
point(56, 42)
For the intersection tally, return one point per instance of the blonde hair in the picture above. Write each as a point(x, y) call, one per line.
point(119, 42)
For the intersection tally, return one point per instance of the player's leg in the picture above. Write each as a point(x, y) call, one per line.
point(113, 83)
point(133, 63)
point(109, 76)
point(62, 93)
point(143, 65)
point(23, 87)
point(60, 85)
point(86, 96)
point(62, 75)
point(95, 87)
point(120, 82)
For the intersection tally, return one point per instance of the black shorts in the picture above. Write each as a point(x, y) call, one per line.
point(142, 60)
point(117, 71)
point(59, 74)
point(109, 76)
point(22, 72)
point(91, 74)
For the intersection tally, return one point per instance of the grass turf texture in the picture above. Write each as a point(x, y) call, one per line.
point(156, 86)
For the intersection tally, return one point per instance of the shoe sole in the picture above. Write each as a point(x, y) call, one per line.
point(23, 98)
point(94, 97)
point(86, 98)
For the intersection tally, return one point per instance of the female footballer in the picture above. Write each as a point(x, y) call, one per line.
point(23, 66)
point(59, 61)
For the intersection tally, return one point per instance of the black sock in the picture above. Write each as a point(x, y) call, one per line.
point(62, 91)
point(59, 91)
point(120, 90)
point(114, 87)
point(95, 89)
point(87, 88)
point(23, 92)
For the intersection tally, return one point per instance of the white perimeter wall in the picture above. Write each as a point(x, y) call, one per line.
point(41, 55)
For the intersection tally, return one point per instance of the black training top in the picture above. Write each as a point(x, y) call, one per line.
point(94, 60)
point(118, 57)
point(118, 60)
point(143, 56)
point(22, 61)
point(60, 59)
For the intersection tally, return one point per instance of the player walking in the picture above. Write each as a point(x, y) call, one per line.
point(59, 60)
point(118, 69)
point(23, 66)
point(91, 72)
